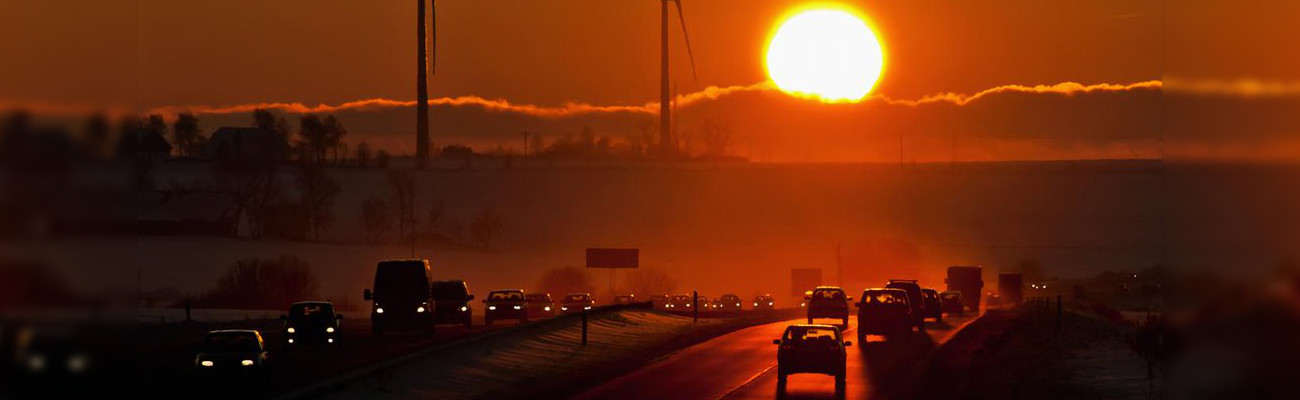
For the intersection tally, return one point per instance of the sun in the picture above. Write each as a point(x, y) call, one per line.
point(827, 53)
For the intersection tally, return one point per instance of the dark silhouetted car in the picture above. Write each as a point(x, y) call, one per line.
point(828, 302)
point(683, 302)
point(539, 305)
point(951, 302)
point(815, 349)
point(624, 299)
point(402, 298)
point(505, 304)
point(883, 311)
point(727, 303)
point(914, 299)
point(764, 302)
point(451, 303)
point(44, 356)
point(576, 302)
point(931, 299)
point(312, 323)
point(660, 301)
point(231, 351)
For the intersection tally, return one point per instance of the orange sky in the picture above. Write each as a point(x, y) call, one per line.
point(210, 52)
point(158, 54)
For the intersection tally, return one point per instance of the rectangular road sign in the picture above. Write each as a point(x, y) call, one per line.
point(613, 258)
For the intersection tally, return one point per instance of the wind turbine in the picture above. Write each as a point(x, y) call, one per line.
point(666, 145)
point(422, 81)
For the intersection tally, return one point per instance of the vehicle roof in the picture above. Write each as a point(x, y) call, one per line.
point(538, 294)
point(929, 290)
point(411, 260)
point(806, 326)
point(507, 290)
point(578, 294)
point(312, 302)
point(827, 287)
point(903, 280)
point(234, 331)
point(883, 289)
point(764, 295)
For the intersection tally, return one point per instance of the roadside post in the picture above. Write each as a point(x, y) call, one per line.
point(695, 299)
point(1058, 314)
point(584, 326)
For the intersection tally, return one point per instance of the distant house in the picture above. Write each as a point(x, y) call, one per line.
point(236, 143)
point(153, 146)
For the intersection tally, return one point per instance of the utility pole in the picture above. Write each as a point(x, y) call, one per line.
point(839, 266)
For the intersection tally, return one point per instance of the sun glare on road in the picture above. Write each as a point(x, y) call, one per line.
point(830, 54)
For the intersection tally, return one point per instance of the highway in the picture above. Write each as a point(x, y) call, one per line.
point(742, 366)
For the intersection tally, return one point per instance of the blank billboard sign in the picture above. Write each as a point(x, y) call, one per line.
point(804, 279)
point(613, 258)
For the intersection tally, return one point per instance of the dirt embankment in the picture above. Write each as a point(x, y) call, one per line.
point(1021, 354)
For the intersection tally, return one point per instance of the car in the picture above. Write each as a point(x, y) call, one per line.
point(764, 302)
point(577, 302)
point(931, 299)
point(884, 311)
point(828, 302)
point(451, 303)
point(811, 349)
point(660, 301)
point(951, 302)
point(624, 299)
point(914, 299)
point(312, 323)
point(995, 300)
point(505, 304)
point(231, 351)
point(539, 305)
point(47, 355)
point(402, 297)
point(683, 302)
point(727, 303)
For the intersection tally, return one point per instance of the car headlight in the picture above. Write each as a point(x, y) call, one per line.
point(36, 362)
point(492, 307)
point(419, 309)
point(769, 303)
point(331, 340)
point(564, 308)
point(290, 341)
point(464, 308)
point(77, 363)
point(329, 329)
point(737, 304)
point(519, 307)
point(755, 304)
point(207, 363)
point(246, 363)
point(548, 308)
point(290, 330)
point(586, 308)
point(379, 310)
point(669, 306)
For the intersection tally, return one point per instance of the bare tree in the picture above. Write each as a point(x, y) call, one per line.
point(255, 186)
point(435, 217)
point(377, 219)
point(485, 227)
point(268, 121)
point(649, 282)
point(185, 132)
point(333, 133)
point(363, 154)
point(402, 195)
point(318, 192)
point(313, 133)
point(263, 284)
point(717, 138)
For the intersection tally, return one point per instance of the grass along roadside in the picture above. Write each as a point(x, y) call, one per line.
point(543, 359)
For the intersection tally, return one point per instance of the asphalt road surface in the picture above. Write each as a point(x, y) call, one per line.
point(742, 365)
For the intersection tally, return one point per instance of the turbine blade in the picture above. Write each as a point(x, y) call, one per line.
point(681, 17)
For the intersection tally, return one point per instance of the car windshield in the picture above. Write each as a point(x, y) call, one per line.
point(949, 296)
point(505, 296)
point(682, 298)
point(538, 298)
point(812, 336)
point(577, 297)
point(828, 295)
point(231, 343)
point(884, 297)
point(397, 278)
point(449, 291)
point(312, 311)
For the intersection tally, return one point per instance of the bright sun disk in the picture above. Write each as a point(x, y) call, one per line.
point(830, 54)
